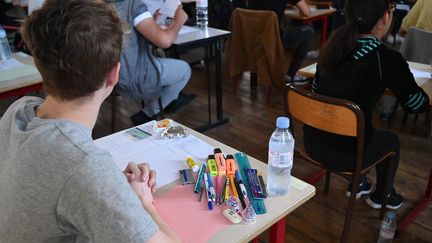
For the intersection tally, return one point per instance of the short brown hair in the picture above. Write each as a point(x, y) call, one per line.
point(75, 44)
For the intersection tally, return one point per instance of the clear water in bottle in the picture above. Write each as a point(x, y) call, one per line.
point(202, 14)
point(280, 159)
point(388, 228)
point(5, 51)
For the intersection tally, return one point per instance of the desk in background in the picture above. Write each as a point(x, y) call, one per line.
point(277, 207)
point(316, 14)
point(192, 37)
point(20, 85)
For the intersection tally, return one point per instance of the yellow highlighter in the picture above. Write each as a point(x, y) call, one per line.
point(212, 165)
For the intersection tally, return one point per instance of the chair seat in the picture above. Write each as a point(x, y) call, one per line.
point(302, 152)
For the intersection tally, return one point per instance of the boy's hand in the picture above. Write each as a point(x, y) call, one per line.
point(141, 173)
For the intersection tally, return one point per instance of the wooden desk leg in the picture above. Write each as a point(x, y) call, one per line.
point(324, 30)
point(420, 206)
point(277, 231)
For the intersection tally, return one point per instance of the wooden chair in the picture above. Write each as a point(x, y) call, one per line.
point(114, 95)
point(340, 117)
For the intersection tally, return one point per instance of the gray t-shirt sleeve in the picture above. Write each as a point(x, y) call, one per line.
point(138, 7)
point(97, 202)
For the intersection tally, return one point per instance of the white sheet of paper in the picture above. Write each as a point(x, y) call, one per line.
point(421, 76)
point(186, 29)
point(165, 156)
point(10, 63)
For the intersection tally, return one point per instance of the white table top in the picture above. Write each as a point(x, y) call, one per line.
point(191, 34)
point(22, 81)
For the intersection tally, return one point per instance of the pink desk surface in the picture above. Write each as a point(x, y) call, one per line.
point(191, 219)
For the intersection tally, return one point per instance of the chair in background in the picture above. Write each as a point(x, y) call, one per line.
point(114, 109)
point(254, 45)
point(341, 117)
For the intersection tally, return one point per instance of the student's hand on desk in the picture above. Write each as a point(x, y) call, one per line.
point(141, 173)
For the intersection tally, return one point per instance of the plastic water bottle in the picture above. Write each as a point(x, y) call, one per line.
point(5, 51)
point(388, 228)
point(280, 158)
point(202, 14)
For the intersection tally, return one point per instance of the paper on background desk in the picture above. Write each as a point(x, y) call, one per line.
point(186, 29)
point(421, 76)
point(166, 156)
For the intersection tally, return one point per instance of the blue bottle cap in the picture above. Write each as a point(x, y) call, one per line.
point(282, 122)
point(391, 215)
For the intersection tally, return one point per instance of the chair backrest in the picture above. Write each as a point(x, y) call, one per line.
point(417, 46)
point(255, 45)
point(329, 114)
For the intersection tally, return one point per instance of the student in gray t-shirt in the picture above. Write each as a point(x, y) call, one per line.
point(55, 184)
point(144, 76)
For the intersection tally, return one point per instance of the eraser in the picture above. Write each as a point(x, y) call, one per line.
point(232, 216)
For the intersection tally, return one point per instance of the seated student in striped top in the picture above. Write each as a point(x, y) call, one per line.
point(355, 65)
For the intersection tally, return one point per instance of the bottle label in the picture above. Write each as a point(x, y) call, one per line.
point(387, 234)
point(280, 159)
point(201, 3)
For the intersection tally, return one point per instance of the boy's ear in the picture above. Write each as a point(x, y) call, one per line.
point(113, 75)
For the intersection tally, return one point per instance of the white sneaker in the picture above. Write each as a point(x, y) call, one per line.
point(313, 54)
point(298, 79)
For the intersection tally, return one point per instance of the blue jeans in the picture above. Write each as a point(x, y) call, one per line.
point(300, 38)
point(174, 75)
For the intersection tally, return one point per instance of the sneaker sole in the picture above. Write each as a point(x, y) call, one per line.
point(379, 206)
point(359, 194)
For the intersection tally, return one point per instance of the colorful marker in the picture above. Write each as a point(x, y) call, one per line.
point(220, 160)
point(230, 170)
point(241, 185)
point(227, 186)
point(208, 193)
point(212, 165)
point(201, 172)
point(209, 184)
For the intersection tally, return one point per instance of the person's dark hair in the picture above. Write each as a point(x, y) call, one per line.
point(361, 17)
point(75, 44)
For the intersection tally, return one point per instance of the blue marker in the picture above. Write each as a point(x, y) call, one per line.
point(211, 188)
point(209, 196)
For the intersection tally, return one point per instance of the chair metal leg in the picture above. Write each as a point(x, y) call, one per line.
point(347, 224)
point(327, 181)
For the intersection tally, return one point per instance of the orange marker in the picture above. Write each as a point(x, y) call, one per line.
point(230, 170)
